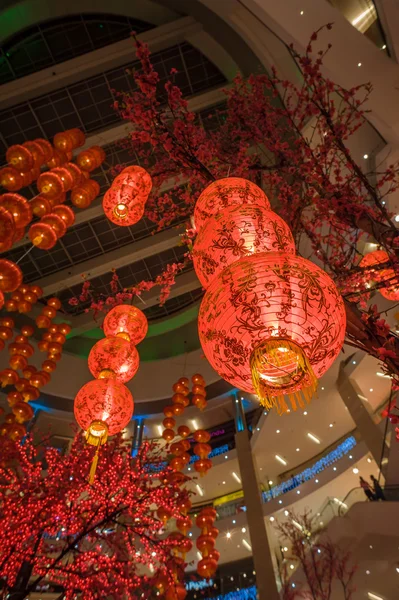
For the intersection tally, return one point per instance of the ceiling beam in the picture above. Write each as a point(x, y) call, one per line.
point(127, 255)
point(187, 282)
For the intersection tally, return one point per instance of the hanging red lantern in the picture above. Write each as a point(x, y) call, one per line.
point(11, 179)
point(42, 235)
point(205, 543)
point(16, 431)
point(238, 231)
point(40, 206)
point(202, 466)
point(18, 207)
point(176, 591)
point(164, 514)
point(66, 177)
point(198, 379)
point(43, 322)
point(137, 178)
point(202, 436)
point(37, 153)
point(168, 435)
point(271, 324)
point(202, 450)
point(56, 223)
point(75, 173)
point(378, 257)
point(23, 412)
point(90, 159)
point(183, 431)
point(183, 524)
point(50, 185)
point(7, 227)
point(20, 158)
point(207, 567)
point(10, 275)
point(113, 357)
point(169, 422)
point(177, 410)
point(126, 321)
point(103, 407)
point(46, 148)
point(231, 191)
point(122, 207)
point(17, 362)
point(59, 158)
point(177, 463)
point(14, 397)
point(8, 377)
point(68, 140)
point(84, 194)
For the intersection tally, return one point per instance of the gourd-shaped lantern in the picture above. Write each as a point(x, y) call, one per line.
point(102, 407)
point(124, 202)
point(114, 357)
point(223, 193)
point(238, 231)
point(271, 324)
point(127, 322)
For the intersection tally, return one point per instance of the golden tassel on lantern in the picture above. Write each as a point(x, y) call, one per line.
point(280, 368)
point(96, 435)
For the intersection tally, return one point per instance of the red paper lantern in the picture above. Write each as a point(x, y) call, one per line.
point(18, 207)
point(66, 177)
point(202, 466)
point(46, 148)
point(16, 431)
point(114, 357)
point(10, 276)
point(42, 235)
point(23, 412)
point(270, 323)
point(126, 321)
point(238, 231)
point(183, 431)
point(84, 194)
point(90, 159)
point(207, 567)
point(59, 158)
point(56, 223)
point(50, 185)
point(231, 191)
point(122, 206)
point(36, 150)
point(11, 179)
point(40, 206)
point(20, 158)
point(7, 229)
point(137, 178)
point(168, 435)
point(68, 140)
point(202, 436)
point(103, 407)
point(66, 213)
point(75, 173)
point(376, 258)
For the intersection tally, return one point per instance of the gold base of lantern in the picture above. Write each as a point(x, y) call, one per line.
point(281, 369)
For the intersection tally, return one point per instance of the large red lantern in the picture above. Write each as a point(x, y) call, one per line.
point(270, 324)
point(238, 231)
point(18, 207)
point(10, 275)
point(103, 407)
point(126, 321)
point(231, 191)
point(114, 357)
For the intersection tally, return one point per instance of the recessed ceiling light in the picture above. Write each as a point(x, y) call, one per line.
point(270, 482)
point(286, 513)
point(228, 535)
point(365, 156)
point(298, 492)
point(234, 521)
point(200, 490)
point(316, 481)
point(353, 362)
point(384, 47)
point(280, 501)
point(281, 459)
point(305, 413)
point(277, 431)
point(355, 470)
point(236, 477)
point(248, 546)
point(313, 438)
point(226, 456)
point(371, 390)
point(257, 429)
point(369, 460)
point(292, 567)
point(322, 388)
point(374, 596)
point(359, 64)
point(367, 572)
point(285, 549)
point(224, 483)
point(297, 449)
point(272, 519)
point(331, 425)
point(244, 530)
point(335, 468)
point(371, 547)
point(350, 456)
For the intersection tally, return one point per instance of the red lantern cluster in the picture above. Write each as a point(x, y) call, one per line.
point(124, 202)
point(207, 566)
point(376, 258)
point(270, 322)
point(104, 406)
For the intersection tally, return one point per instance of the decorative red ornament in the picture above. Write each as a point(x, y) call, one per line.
point(202, 436)
point(42, 235)
point(103, 407)
point(7, 229)
point(231, 191)
point(268, 322)
point(84, 194)
point(137, 178)
point(38, 155)
point(11, 179)
point(10, 276)
point(56, 223)
point(207, 567)
point(18, 207)
point(183, 431)
point(126, 321)
point(40, 206)
point(50, 185)
point(202, 466)
point(168, 435)
point(238, 231)
point(114, 357)
point(375, 258)
point(90, 159)
point(122, 207)
point(20, 158)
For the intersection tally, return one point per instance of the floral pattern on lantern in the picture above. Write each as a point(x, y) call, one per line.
point(114, 357)
point(126, 321)
point(238, 231)
point(231, 191)
point(103, 407)
point(262, 298)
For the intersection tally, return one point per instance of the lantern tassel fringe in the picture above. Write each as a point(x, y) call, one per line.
point(299, 385)
point(93, 467)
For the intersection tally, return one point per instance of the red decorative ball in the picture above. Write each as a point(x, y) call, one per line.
point(238, 231)
point(114, 357)
point(104, 400)
point(18, 207)
point(126, 321)
point(231, 191)
point(277, 300)
point(122, 206)
point(10, 276)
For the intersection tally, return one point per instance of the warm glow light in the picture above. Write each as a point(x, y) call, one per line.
point(337, 501)
point(280, 459)
point(236, 477)
point(374, 596)
point(248, 546)
point(362, 15)
point(200, 490)
point(313, 438)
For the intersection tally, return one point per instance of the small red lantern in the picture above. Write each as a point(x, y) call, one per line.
point(377, 257)
point(270, 324)
point(122, 207)
point(20, 158)
point(202, 436)
point(40, 206)
point(42, 235)
point(202, 466)
point(114, 357)
point(183, 431)
point(11, 179)
point(50, 185)
point(23, 412)
point(90, 159)
point(168, 435)
point(231, 191)
point(36, 151)
point(84, 194)
point(238, 231)
point(207, 567)
point(10, 276)
point(7, 229)
point(18, 207)
point(169, 422)
point(126, 321)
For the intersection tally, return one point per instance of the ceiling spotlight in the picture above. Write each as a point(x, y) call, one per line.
point(278, 431)
point(244, 530)
point(297, 449)
point(305, 413)
point(228, 535)
point(316, 481)
point(365, 156)
point(286, 513)
point(301, 13)
point(355, 470)
point(280, 501)
point(359, 64)
point(270, 482)
point(272, 519)
point(292, 567)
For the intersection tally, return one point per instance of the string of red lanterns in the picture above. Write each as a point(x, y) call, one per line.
point(125, 200)
point(104, 406)
point(270, 322)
